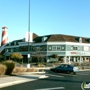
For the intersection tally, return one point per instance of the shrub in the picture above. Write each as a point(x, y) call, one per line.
point(86, 64)
point(76, 64)
point(2, 69)
point(19, 69)
point(40, 65)
point(32, 69)
point(10, 66)
point(24, 69)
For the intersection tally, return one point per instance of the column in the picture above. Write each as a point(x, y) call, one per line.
point(69, 60)
point(64, 59)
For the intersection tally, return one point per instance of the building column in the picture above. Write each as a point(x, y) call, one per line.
point(74, 59)
point(85, 59)
point(69, 60)
point(64, 59)
point(78, 59)
point(47, 59)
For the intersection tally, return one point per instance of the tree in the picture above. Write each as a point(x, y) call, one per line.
point(39, 56)
point(54, 56)
point(2, 57)
point(38, 52)
point(16, 56)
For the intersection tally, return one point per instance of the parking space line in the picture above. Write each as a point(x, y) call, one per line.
point(82, 74)
point(70, 74)
point(51, 88)
point(54, 75)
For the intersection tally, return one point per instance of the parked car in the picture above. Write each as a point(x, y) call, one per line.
point(66, 68)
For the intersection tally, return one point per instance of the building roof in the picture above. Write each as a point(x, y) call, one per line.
point(53, 38)
point(61, 38)
point(20, 40)
point(34, 35)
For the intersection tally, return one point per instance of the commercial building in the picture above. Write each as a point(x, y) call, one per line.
point(67, 47)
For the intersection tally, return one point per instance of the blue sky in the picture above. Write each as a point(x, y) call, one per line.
point(71, 17)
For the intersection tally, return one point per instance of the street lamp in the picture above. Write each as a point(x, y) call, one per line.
point(28, 65)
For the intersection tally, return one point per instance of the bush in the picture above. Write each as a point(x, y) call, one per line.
point(2, 69)
point(32, 69)
point(76, 64)
point(24, 69)
point(19, 69)
point(10, 66)
point(41, 65)
point(86, 64)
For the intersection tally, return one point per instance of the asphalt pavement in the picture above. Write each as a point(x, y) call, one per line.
point(17, 79)
point(25, 77)
point(55, 81)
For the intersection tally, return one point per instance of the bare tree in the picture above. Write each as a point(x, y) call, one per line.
point(38, 52)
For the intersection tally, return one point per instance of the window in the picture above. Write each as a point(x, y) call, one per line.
point(54, 48)
point(11, 50)
point(50, 48)
point(58, 47)
point(62, 47)
point(61, 65)
point(75, 48)
point(14, 49)
point(6, 50)
point(24, 48)
point(14, 43)
point(17, 49)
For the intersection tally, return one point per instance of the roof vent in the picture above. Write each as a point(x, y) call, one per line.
point(80, 40)
point(15, 43)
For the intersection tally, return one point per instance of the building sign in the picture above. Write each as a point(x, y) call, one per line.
point(73, 53)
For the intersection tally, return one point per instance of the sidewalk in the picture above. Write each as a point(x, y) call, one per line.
point(24, 77)
point(13, 80)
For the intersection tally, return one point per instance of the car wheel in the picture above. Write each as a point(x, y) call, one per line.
point(74, 72)
point(56, 71)
point(68, 72)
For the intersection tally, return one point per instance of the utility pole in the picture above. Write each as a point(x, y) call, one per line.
point(28, 65)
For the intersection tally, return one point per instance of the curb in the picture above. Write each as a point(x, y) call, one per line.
point(85, 70)
point(43, 76)
point(14, 83)
point(33, 72)
point(26, 73)
point(21, 81)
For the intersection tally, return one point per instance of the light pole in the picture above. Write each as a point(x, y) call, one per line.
point(28, 66)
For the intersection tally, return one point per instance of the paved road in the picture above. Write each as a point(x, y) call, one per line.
point(55, 81)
